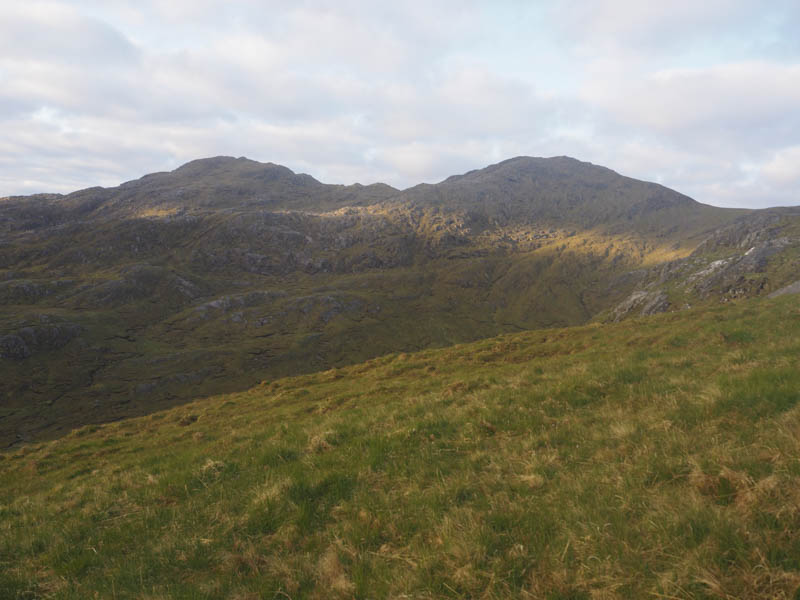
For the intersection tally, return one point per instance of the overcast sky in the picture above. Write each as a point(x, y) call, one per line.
point(702, 96)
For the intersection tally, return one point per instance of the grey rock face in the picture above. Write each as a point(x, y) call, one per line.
point(24, 342)
point(728, 275)
point(13, 346)
point(643, 303)
point(792, 288)
point(29, 292)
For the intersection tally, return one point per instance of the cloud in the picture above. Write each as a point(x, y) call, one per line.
point(699, 96)
point(783, 169)
point(641, 31)
point(716, 98)
point(56, 34)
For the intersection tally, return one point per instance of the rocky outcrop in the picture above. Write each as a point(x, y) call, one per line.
point(228, 303)
point(792, 288)
point(745, 269)
point(641, 303)
point(26, 341)
point(139, 282)
point(30, 291)
point(13, 346)
point(733, 275)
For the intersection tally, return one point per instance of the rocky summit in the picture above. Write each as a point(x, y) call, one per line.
point(117, 302)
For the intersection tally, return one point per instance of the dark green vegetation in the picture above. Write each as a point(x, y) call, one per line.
point(119, 302)
point(656, 457)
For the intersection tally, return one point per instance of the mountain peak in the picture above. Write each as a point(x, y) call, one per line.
point(559, 190)
point(529, 165)
point(239, 167)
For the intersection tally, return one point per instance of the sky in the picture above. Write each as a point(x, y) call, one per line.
point(703, 97)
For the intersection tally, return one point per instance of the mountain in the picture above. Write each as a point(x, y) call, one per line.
point(225, 272)
point(210, 184)
point(559, 191)
point(648, 458)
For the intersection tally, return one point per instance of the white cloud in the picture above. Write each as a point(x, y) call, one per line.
point(55, 33)
point(783, 169)
point(636, 31)
point(721, 98)
point(698, 96)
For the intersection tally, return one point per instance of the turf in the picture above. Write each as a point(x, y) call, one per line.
point(657, 457)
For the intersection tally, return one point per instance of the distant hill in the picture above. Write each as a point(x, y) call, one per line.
point(207, 184)
point(562, 192)
point(120, 301)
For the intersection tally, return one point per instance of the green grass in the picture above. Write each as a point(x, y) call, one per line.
point(657, 457)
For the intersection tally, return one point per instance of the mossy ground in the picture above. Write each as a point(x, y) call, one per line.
point(657, 457)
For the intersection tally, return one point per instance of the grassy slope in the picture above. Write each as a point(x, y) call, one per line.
point(657, 456)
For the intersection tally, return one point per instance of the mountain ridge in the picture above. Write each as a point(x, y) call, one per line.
point(226, 271)
point(222, 166)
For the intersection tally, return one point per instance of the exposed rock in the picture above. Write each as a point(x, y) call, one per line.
point(792, 288)
point(26, 341)
point(13, 346)
point(143, 281)
point(708, 270)
point(643, 303)
point(729, 276)
point(29, 292)
point(225, 304)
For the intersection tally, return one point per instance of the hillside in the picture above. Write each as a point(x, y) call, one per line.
point(757, 255)
point(653, 457)
point(563, 192)
point(121, 301)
